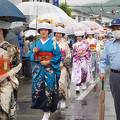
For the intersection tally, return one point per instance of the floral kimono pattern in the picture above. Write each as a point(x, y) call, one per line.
point(64, 82)
point(93, 43)
point(81, 66)
point(9, 66)
point(45, 78)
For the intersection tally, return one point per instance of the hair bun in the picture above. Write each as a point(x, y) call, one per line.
point(60, 24)
point(45, 20)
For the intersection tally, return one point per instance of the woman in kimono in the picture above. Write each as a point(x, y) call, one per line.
point(9, 66)
point(93, 48)
point(64, 82)
point(45, 57)
point(80, 66)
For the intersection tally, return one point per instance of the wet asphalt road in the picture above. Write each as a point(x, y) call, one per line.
point(74, 111)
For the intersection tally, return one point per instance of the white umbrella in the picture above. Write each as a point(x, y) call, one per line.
point(45, 10)
point(92, 25)
point(71, 28)
point(54, 18)
point(39, 8)
point(16, 25)
point(31, 32)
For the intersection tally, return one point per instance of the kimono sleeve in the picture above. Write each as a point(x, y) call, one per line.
point(55, 61)
point(14, 55)
point(74, 51)
point(30, 53)
point(67, 60)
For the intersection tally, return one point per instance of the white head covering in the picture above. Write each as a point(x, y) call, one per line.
point(79, 33)
point(5, 25)
point(59, 29)
point(44, 25)
point(90, 32)
point(28, 33)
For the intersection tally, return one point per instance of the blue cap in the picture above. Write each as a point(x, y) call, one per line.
point(115, 22)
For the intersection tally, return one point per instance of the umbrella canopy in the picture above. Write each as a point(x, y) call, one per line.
point(39, 8)
point(71, 28)
point(28, 33)
point(92, 25)
point(9, 12)
point(54, 18)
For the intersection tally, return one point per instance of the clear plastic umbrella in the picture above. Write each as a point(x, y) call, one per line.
point(92, 25)
point(31, 32)
point(39, 8)
point(71, 28)
point(44, 10)
point(54, 18)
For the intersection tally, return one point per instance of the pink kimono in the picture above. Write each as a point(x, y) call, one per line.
point(81, 63)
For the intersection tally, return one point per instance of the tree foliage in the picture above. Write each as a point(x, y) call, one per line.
point(66, 8)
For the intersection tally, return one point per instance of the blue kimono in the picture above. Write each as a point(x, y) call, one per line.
point(45, 78)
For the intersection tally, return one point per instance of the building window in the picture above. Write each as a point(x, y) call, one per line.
point(48, 1)
point(79, 18)
point(25, 0)
point(38, 0)
point(84, 18)
point(73, 16)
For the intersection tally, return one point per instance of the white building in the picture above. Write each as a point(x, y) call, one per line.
point(15, 1)
point(19, 1)
point(49, 1)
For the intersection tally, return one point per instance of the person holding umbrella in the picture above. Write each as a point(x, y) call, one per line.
point(64, 82)
point(111, 57)
point(45, 58)
point(80, 67)
point(9, 66)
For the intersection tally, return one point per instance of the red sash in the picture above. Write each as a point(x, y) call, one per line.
point(4, 65)
point(43, 56)
point(93, 47)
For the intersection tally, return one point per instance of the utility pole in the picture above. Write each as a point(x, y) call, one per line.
point(65, 5)
point(101, 10)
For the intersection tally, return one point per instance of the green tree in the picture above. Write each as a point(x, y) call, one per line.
point(66, 8)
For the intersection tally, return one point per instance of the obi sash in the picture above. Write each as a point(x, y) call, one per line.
point(43, 56)
point(93, 47)
point(4, 65)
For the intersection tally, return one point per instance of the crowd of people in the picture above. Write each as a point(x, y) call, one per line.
point(54, 61)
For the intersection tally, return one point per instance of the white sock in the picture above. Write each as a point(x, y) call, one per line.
point(46, 116)
point(62, 104)
point(77, 88)
point(83, 86)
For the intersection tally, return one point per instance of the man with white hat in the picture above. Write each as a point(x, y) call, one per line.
point(64, 82)
point(45, 57)
point(9, 66)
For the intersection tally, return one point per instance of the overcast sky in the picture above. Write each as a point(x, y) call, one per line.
point(82, 2)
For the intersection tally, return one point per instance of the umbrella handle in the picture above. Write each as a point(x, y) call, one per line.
point(102, 84)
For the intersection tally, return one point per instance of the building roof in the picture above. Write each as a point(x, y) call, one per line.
point(110, 9)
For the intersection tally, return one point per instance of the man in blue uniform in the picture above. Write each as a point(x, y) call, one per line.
point(111, 57)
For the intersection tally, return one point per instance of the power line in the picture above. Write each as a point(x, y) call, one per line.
point(96, 6)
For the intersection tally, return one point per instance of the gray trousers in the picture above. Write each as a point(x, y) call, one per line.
point(115, 89)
